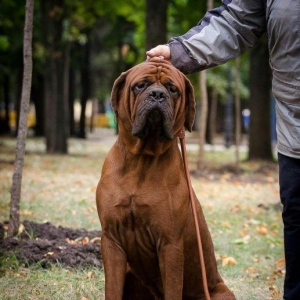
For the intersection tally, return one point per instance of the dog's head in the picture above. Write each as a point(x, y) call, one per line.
point(152, 101)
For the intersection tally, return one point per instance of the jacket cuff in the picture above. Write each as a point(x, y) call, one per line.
point(181, 58)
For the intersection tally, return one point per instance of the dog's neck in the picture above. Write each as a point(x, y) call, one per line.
point(143, 168)
point(136, 161)
point(151, 146)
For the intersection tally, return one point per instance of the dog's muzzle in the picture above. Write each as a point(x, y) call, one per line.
point(154, 115)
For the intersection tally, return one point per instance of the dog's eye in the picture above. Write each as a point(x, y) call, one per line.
point(173, 90)
point(139, 87)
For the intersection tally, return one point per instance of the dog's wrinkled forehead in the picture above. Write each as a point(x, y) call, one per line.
point(155, 71)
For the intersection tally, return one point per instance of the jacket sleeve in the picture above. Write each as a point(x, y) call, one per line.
point(223, 34)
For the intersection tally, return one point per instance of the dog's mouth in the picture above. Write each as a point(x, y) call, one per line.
point(154, 122)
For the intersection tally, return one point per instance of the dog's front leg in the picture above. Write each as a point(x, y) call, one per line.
point(171, 262)
point(115, 262)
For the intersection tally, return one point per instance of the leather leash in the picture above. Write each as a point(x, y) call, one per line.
point(181, 136)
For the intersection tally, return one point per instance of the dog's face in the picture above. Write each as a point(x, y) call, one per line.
point(152, 101)
point(155, 104)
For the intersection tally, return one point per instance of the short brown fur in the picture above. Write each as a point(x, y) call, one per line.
point(149, 245)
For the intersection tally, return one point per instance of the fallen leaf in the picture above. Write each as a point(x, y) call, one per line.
point(279, 267)
point(262, 230)
point(270, 179)
point(254, 222)
point(21, 228)
point(243, 233)
point(280, 263)
point(276, 294)
point(85, 240)
point(90, 274)
point(235, 209)
point(26, 212)
point(228, 261)
point(70, 242)
point(252, 272)
point(95, 239)
point(225, 224)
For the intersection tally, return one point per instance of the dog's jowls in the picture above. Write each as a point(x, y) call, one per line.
point(148, 244)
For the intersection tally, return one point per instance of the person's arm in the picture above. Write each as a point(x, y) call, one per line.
point(224, 33)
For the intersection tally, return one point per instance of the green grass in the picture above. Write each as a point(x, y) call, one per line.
point(242, 213)
point(55, 283)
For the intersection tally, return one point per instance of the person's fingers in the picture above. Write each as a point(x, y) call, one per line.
point(160, 50)
point(154, 51)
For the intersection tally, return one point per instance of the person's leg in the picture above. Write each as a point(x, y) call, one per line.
point(289, 180)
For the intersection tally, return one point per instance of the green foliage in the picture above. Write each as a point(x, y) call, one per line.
point(4, 43)
point(116, 30)
point(218, 78)
point(184, 14)
point(11, 33)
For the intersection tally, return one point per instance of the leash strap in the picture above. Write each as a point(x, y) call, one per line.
point(181, 136)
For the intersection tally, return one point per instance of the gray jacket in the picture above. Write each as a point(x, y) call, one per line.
point(227, 31)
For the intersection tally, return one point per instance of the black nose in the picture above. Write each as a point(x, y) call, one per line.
point(157, 95)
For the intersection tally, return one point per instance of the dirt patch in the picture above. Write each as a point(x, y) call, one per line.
point(46, 244)
point(263, 172)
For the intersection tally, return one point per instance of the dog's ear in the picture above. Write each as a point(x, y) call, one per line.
point(116, 91)
point(190, 110)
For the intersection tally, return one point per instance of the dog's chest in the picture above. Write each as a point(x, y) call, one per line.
point(143, 202)
point(147, 209)
point(134, 211)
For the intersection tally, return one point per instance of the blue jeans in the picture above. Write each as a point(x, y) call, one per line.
point(289, 181)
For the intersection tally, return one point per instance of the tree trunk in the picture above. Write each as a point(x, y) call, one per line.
point(213, 110)
point(17, 106)
point(55, 102)
point(6, 87)
point(72, 84)
point(37, 96)
point(203, 107)
point(156, 22)
point(260, 87)
point(85, 89)
point(14, 218)
point(237, 101)
point(203, 118)
point(210, 4)
point(229, 117)
point(66, 89)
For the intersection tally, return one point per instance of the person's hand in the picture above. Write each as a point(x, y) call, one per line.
point(161, 51)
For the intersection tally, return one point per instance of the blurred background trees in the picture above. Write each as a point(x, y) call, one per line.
point(81, 47)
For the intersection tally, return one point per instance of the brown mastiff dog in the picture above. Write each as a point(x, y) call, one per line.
point(149, 245)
